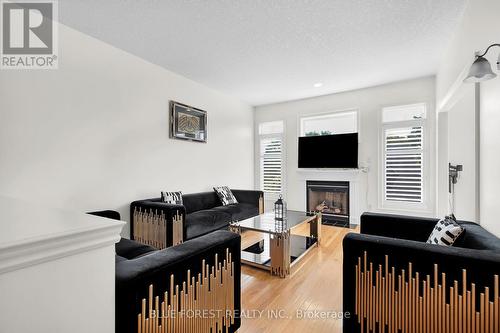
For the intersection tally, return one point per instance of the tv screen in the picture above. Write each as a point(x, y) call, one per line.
point(329, 151)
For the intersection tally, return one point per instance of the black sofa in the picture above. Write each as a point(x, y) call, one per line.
point(449, 280)
point(200, 214)
point(140, 266)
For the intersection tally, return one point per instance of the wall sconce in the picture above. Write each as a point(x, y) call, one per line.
point(481, 68)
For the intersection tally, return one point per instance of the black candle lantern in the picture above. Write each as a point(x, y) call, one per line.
point(280, 209)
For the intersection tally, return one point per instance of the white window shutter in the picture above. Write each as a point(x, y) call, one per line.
point(404, 164)
point(271, 164)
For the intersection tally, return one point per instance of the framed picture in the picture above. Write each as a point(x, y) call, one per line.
point(187, 122)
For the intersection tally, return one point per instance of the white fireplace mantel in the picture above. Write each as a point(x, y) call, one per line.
point(353, 176)
point(56, 269)
point(329, 174)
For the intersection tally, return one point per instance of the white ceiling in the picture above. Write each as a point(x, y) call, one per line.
point(266, 51)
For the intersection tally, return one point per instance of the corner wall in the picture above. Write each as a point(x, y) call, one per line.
point(94, 134)
point(478, 29)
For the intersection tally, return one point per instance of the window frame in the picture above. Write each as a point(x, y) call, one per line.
point(272, 195)
point(390, 205)
point(303, 117)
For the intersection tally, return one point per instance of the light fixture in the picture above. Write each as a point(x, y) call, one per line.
point(317, 85)
point(481, 68)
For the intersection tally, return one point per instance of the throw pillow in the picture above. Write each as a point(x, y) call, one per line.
point(225, 195)
point(445, 232)
point(174, 198)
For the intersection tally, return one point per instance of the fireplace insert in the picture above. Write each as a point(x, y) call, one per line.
point(331, 198)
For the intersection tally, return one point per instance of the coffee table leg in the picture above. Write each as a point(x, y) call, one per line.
point(315, 228)
point(280, 254)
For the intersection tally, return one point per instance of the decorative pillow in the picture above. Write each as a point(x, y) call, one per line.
point(445, 232)
point(225, 195)
point(174, 198)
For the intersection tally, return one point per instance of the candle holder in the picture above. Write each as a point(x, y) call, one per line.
point(280, 209)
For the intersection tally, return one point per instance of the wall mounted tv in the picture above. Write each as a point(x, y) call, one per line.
point(329, 151)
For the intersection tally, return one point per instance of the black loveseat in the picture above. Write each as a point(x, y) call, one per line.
point(391, 277)
point(145, 276)
point(159, 224)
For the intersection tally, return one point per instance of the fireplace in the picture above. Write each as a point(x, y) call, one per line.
point(331, 198)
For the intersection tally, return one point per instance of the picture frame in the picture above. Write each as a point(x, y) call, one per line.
point(187, 122)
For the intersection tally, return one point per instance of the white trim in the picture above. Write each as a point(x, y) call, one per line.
point(57, 234)
point(24, 255)
point(456, 91)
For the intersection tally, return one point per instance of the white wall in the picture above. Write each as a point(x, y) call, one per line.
point(369, 102)
point(478, 29)
point(94, 133)
point(462, 150)
point(490, 155)
point(61, 295)
point(442, 193)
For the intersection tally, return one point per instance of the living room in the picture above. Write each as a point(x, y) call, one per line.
point(293, 159)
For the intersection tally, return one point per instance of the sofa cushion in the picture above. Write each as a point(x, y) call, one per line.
point(205, 221)
point(225, 195)
point(129, 249)
point(200, 201)
point(239, 211)
point(173, 198)
point(476, 237)
point(446, 231)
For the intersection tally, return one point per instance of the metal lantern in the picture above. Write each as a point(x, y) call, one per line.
point(280, 209)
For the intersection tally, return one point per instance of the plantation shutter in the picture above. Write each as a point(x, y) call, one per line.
point(271, 164)
point(404, 164)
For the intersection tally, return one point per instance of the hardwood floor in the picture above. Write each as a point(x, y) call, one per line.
point(314, 285)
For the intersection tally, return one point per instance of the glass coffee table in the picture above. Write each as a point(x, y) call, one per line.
point(280, 249)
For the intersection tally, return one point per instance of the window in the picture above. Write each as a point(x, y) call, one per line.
point(404, 155)
point(404, 113)
point(271, 156)
point(271, 164)
point(271, 127)
point(331, 123)
point(403, 164)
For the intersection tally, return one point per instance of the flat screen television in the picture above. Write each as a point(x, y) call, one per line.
point(329, 151)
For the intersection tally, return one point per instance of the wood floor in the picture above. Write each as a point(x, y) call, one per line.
point(315, 286)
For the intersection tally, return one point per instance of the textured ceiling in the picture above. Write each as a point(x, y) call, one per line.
point(265, 51)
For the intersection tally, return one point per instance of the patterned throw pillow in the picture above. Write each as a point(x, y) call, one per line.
point(445, 232)
point(225, 195)
point(174, 198)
